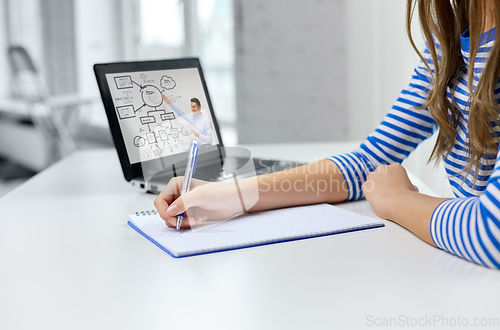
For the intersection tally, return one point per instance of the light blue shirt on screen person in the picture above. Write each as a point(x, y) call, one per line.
point(200, 123)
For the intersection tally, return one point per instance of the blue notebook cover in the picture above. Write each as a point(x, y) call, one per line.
point(250, 230)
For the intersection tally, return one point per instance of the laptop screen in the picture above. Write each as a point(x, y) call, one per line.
point(160, 112)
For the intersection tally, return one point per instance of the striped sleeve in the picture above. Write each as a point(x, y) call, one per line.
point(470, 227)
point(400, 132)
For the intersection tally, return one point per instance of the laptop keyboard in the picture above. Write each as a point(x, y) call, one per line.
point(215, 173)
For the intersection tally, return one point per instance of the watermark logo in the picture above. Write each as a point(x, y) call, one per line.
point(434, 320)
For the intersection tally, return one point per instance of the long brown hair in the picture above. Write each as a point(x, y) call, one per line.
point(446, 20)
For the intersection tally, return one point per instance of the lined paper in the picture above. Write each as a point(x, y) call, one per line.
point(252, 229)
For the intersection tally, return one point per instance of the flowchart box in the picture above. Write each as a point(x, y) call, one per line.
point(126, 111)
point(123, 82)
point(148, 120)
point(151, 138)
point(175, 133)
point(163, 135)
point(167, 116)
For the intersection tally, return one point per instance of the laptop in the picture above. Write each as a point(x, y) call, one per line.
point(155, 109)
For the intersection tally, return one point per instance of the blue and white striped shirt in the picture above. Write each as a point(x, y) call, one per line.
point(469, 225)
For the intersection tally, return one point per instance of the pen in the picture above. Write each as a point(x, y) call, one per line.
point(188, 174)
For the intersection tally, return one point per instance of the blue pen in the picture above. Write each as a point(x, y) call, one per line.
point(188, 174)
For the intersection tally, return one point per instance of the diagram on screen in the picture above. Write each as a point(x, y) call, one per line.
point(147, 121)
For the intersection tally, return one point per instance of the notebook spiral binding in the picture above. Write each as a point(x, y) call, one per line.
point(152, 212)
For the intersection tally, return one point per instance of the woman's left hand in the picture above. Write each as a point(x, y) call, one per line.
point(385, 186)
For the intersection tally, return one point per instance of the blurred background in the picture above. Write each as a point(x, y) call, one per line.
point(278, 71)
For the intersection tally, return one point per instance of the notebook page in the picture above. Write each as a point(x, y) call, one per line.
point(253, 229)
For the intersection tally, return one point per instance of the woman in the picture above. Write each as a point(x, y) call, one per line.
point(454, 88)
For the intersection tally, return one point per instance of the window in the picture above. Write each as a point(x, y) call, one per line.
point(216, 50)
point(201, 28)
point(161, 29)
point(128, 30)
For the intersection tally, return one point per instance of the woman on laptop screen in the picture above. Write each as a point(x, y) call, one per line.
point(454, 93)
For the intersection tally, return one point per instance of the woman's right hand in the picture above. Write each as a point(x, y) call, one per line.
point(205, 201)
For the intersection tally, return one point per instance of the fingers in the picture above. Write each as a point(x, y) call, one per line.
point(170, 193)
point(193, 198)
point(195, 216)
point(169, 203)
point(161, 204)
point(198, 220)
point(192, 219)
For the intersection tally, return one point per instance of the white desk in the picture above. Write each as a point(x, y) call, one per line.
point(69, 261)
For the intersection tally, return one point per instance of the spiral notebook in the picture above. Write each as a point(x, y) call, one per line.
point(249, 230)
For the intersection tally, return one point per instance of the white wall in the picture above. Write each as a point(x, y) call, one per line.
point(380, 64)
point(290, 70)
point(97, 37)
point(104, 35)
point(4, 65)
point(380, 60)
